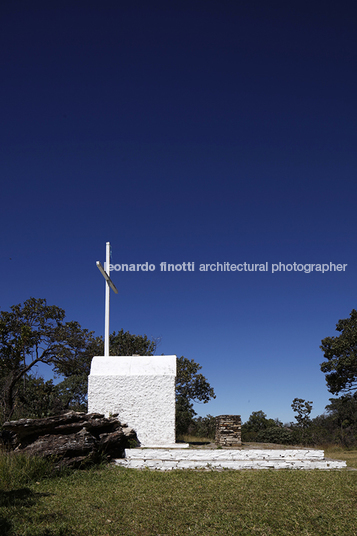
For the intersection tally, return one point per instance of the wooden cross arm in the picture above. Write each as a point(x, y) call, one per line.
point(106, 277)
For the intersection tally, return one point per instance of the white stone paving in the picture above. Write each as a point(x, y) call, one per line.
point(168, 459)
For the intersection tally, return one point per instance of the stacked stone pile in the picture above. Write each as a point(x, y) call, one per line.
point(228, 431)
point(74, 438)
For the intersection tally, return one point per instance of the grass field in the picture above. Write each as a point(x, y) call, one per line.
point(116, 501)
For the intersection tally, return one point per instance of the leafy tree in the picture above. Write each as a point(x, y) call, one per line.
point(203, 427)
point(71, 393)
point(35, 333)
point(321, 431)
point(184, 416)
point(303, 410)
point(191, 386)
point(256, 423)
point(38, 398)
point(341, 354)
point(275, 434)
point(344, 409)
point(343, 413)
point(35, 398)
point(124, 343)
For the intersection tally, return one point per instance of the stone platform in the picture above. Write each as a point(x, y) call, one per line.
point(216, 459)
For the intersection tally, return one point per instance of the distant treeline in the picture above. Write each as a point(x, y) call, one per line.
point(337, 426)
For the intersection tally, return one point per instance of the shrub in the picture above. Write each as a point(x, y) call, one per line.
point(275, 434)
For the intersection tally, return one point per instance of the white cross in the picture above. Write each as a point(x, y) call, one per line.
point(108, 285)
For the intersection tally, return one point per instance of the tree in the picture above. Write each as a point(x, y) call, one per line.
point(257, 423)
point(35, 398)
point(343, 413)
point(341, 354)
point(275, 434)
point(203, 427)
point(303, 409)
point(36, 333)
point(344, 410)
point(124, 343)
point(191, 386)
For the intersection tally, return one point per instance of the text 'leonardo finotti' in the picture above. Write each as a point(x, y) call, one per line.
point(230, 267)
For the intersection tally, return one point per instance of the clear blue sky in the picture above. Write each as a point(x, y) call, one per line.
point(197, 132)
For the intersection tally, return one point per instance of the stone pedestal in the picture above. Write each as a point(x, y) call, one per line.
point(228, 431)
point(141, 390)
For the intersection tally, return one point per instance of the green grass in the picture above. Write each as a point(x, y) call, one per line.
point(22, 469)
point(116, 501)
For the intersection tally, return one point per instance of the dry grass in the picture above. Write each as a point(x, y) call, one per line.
point(339, 453)
point(194, 440)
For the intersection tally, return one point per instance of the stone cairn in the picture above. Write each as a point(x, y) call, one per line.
point(228, 431)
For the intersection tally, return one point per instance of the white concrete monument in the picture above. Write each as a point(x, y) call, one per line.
point(141, 389)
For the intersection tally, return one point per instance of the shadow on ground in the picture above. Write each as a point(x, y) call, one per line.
point(18, 498)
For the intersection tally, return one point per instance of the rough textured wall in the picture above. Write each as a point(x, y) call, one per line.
point(141, 390)
point(228, 431)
